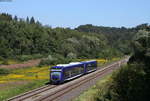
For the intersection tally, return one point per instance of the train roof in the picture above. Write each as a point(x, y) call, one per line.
point(74, 62)
point(60, 66)
point(89, 61)
point(71, 64)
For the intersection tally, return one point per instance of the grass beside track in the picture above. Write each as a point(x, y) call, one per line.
point(13, 91)
point(92, 93)
point(22, 80)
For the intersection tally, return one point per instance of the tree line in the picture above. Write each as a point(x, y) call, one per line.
point(120, 38)
point(27, 38)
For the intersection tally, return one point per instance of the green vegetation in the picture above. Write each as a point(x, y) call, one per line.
point(93, 93)
point(21, 80)
point(15, 90)
point(28, 39)
point(25, 39)
point(120, 38)
point(29, 57)
point(4, 71)
point(131, 82)
point(55, 59)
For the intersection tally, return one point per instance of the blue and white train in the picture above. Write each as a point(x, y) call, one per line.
point(65, 72)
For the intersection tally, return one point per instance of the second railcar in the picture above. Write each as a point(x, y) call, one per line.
point(90, 66)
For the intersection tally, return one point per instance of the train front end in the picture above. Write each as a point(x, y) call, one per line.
point(56, 75)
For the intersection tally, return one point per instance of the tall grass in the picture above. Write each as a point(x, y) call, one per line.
point(93, 93)
point(13, 91)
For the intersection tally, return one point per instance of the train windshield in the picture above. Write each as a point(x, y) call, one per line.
point(55, 76)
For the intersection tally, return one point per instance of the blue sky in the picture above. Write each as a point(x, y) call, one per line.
point(72, 13)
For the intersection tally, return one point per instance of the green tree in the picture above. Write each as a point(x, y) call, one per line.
point(32, 21)
point(16, 18)
point(27, 20)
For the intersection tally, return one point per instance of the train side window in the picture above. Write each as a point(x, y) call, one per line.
point(91, 66)
point(73, 71)
point(77, 70)
point(66, 73)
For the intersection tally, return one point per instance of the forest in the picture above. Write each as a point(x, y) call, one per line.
point(25, 39)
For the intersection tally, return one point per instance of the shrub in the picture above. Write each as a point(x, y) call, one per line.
point(129, 83)
point(55, 59)
point(37, 56)
point(24, 57)
point(4, 62)
point(4, 71)
point(1, 58)
point(29, 57)
point(47, 62)
point(71, 55)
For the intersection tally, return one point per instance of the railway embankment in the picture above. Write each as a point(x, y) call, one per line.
point(69, 90)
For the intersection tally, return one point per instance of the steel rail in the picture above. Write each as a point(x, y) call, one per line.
point(31, 93)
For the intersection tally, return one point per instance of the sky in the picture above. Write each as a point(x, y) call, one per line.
point(72, 13)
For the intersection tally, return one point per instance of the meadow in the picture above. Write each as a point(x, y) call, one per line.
point(22, 80)
point(25, 79)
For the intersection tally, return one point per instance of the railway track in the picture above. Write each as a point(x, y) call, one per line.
point(55, 93)
point(31, 93)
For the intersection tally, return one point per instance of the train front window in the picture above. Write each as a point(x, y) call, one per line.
point(55, 76)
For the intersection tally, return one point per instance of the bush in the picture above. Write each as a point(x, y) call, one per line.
point(1, 58)
point(4, 71)
point(47, 62)
point(50, 60)
point(128, 84)
point(71, 55)
point(37, 56)
point(24, 57)
point(29, 57)
point(5, 62)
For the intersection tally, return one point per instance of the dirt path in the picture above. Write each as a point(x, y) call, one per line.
point(29, 63)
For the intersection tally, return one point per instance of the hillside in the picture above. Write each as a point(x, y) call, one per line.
point(25, 39)
point(20, 38)
point(120, 38)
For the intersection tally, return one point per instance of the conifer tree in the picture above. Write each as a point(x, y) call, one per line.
point(32, 21)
